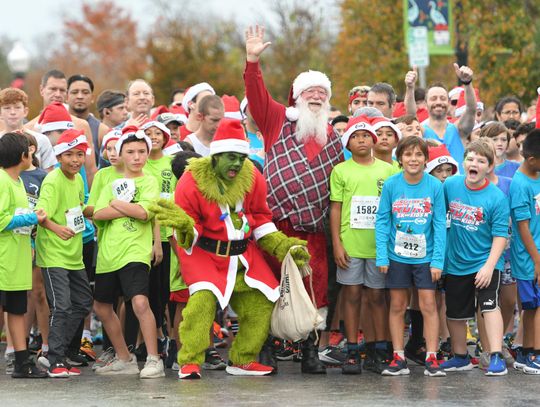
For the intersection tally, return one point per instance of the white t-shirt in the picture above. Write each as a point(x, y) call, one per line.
point(45, 151)
point(199, 147)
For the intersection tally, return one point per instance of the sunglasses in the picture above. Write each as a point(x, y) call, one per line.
point(453, 102)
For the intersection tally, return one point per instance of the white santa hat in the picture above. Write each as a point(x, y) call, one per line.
point(172, 148)
point(129, 131)
point(458, 90)
point(440, 155)
point(357, 124)
point(164, 129)
point(462, 105)
point(112, 135)
point(302, 82)
point(378, 122)
point(71, 139)
point(229, 137)
point(192, 92)
point(54, 117)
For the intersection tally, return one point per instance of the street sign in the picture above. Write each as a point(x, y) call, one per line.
point(418, 47)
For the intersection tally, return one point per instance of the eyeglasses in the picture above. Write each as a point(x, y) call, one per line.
point(312, 92)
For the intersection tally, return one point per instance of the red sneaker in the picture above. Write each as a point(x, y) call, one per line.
point(58, 370)
point(189, 372)
point(249, 369)
point(335, 338)
point(73, 371)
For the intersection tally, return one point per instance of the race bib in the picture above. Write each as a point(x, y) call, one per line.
point(363, 212)
point(75, 219)
point(410, 245)
point(124, 189)
point(23, 230)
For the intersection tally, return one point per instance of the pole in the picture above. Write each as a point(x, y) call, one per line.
point(422, 76)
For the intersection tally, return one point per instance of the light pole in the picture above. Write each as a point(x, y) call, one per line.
point(18, 61)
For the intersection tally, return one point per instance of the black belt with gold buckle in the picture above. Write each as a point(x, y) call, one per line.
point(223, 248)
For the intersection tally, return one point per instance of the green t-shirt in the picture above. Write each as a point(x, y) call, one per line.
point(176, 281)
point(396, 167)
point(358, 187)
point(59, 197)
point(161, 170)
point(126, 240)
point(15, 249)
point(103, 177)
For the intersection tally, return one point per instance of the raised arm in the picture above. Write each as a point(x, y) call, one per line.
point(466, 123)
point(410, 82)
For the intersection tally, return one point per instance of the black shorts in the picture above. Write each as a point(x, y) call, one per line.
point(89, 252)
point(129, 281)
point(463, 298)
point(14, 302)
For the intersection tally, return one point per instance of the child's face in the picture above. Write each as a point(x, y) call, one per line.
point(112, 155)
point(134, 155)
point(500, 142)
point(443, 171)
point(53, 136)
point(71, 161)
point(13, 114)
point(386, 140)
point(360, 143)
point(409, 130)
point(413, 161)
point(156, 135)
point(476, 168)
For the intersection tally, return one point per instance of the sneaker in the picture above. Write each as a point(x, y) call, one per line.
point(220, 339)
point(336, 339)
point(533, 365)
point(521, 360)
point(457, 364)
point(483, 361)
point(508, 358)
point(171, 356)
point(332, 356)
point(433, 369)
point(153, 368)
point(213, 360)
point(163, 347)
point(175, 366)
point(76, 359)
point(58, 370)
point(119, 367)
point(72, 370)
point(352, 364)
point(497, 365)
point(297, 355)
point(397, 367)
point(10, 362)
point(284, 349)
point(35, 343)
point(189, 372)
point(28, 370)
point(87, 349)
point(105, 358)
point(416, 353)
point(249, 369)
point(43, 359)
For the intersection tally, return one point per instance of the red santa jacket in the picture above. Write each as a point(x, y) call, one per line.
point(203, 270)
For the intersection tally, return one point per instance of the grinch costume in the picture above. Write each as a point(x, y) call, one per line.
point(220, 218)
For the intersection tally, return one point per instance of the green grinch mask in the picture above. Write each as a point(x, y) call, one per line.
point(228, 165)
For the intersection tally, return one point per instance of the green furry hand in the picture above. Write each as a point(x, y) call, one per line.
point(278, 245)
point(171, 215)
point(300, 255)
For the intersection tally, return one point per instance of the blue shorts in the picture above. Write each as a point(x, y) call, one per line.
point(529, 294)
point(403, 275)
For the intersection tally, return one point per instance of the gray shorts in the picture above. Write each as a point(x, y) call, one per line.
point(361, 272)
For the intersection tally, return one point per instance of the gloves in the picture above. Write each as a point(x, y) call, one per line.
point(278, 245)
point(171, 215)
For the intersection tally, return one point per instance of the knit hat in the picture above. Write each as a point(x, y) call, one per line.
point(379, 122)
point(129, 131)
point(191, 93)
point(112, 135)
point(440, 155)
point(71, 139)
point(356, 124)
point(164, 129)
point(462, 105)
point(232, 107)
point(172, 148)
point(229, 137)
point(54, 117)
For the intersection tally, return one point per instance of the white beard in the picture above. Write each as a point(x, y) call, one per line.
point(312, 125)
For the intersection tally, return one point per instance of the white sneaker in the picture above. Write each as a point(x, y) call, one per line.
point(118, 367)
point(153, 368)
point(175, 366)
point(105, 358)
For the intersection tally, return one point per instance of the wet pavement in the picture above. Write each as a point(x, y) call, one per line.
point(288, 388)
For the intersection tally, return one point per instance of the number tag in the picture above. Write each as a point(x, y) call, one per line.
point(410, 245)
point(124, 189)
point(23, 230)
point(75, 220)
point(363, 212)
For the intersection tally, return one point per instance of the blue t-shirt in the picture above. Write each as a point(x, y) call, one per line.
point(476, 217)
point(451, 140)
point(504, 185)
point(411, 220)
point(256, 148)
point(524, 205)
point(507, 169)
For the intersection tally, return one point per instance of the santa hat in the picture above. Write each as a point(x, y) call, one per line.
point(191, 93)
point(243, 107)
point(112, 135)
point(457, 90)
point(232, 107)
point(462, 105)
point(302, 82)
point(378, 122)
point(172, 148)
point(178, 109)
point(229, 137)
point(159, 110)
point(164, 129)
point(71, 139)
point(440, 155)
point(167, 118)
point(129, 131)
point(54, 117)
point(356, 124)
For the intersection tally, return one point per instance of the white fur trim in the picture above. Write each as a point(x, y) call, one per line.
point(358, 126)
point(264, 230)
point(155, 123)
point(272, 294)
point(460, 110)
point(243, 105)
point(193, 92)
point(538, 90)
point(51, 126)
point(445, 159)
point(63, 147)
point(292, 113)
point(229, 145)
point(139, 134)
point(309, 79)
point(455, 91)
point(234, 115)
point(171, 150)
point(388, 123)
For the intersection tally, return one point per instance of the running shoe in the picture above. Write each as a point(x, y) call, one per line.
point(10, 362)
point(284, 349)
point(521, 359)
point(189, 372)
point(153, 368)
point(397, 367)
point(87, 349)
point(28, 370)
point(106, 357)
point(457, 364)
point(249, 369)
point(336, 338)
point(58, 370)
point(433, 368)
point(213, 360)
point(533, 365)
point(497, 365)
point(332, 356)
point(119, 367)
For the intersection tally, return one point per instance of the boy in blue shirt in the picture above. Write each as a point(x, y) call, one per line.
point(477, 237)
point(525, 257)
point(410, 234)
